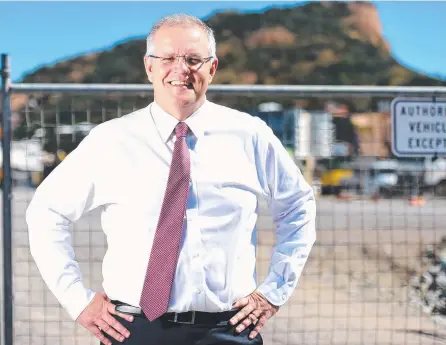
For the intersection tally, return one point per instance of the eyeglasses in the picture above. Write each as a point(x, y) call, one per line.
point(193, 62)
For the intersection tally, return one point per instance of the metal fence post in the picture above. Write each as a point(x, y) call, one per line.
point(7, 195)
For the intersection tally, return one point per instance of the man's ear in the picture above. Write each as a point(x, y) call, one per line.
point(148, 67)
point(213, 69)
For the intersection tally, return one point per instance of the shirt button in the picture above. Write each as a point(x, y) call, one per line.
point(196, 255)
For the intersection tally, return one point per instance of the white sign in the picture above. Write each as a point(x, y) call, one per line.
point(418, 127)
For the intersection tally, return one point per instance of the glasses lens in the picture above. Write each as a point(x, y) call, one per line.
point(192, 61)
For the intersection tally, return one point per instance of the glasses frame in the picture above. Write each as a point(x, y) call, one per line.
point(205, 60)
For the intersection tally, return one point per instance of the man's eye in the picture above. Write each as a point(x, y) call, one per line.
point(193, 61)
point(168, 59)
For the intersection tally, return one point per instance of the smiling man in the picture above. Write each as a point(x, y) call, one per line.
point(178, 184)
point(180, 62)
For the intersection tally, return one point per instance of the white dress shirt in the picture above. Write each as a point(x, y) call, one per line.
point(122, 166)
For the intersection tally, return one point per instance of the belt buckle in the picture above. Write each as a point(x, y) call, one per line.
point(128, 309)
point(191, 322)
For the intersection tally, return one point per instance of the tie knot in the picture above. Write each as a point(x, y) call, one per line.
point(181, 129)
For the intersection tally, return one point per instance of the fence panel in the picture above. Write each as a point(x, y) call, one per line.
point(362, 282)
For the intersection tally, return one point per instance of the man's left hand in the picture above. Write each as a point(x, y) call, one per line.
point(255, 309)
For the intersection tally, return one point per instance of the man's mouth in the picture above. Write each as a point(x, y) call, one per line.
point(180, 83)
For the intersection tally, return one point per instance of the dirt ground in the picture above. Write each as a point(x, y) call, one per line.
point(353, 290)
point(354, 287)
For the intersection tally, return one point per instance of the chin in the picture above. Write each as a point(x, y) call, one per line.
point(185, 100)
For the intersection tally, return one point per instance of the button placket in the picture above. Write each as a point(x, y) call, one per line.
point(194, 247)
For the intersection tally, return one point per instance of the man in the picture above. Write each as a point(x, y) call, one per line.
point(178, 184)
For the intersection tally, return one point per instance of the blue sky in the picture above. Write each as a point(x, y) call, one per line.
point(39, 33)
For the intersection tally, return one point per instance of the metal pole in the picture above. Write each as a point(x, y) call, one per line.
point(293, 90)
point(7, 195)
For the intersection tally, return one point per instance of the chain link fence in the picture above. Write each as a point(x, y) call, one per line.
point(378, 252)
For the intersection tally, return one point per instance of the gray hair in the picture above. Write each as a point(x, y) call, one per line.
point(181, 19)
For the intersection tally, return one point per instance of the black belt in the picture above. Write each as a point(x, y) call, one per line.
point(189, 317)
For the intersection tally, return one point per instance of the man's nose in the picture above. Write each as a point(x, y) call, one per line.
point(180, 63)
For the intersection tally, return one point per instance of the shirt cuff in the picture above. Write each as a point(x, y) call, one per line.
point(275, 289)
point(76, 299)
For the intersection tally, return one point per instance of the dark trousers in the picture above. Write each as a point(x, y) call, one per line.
point(163, 332)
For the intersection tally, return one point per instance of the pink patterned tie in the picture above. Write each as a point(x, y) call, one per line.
point(166, 244)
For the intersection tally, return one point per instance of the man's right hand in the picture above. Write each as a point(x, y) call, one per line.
point(97, 317)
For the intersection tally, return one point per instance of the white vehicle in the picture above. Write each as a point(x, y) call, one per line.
point(26, 155)
point(26, 159)
point(373, 177)
point(435, 175)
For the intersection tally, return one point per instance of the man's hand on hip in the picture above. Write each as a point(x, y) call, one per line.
point(255, 309)
point(98, 316)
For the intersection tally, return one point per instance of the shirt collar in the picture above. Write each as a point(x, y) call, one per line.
point(166, 123)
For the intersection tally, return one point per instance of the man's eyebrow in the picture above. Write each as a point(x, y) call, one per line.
point(194, 54)
point(166, 54)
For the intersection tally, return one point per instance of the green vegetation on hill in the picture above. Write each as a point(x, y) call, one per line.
point(317, 43)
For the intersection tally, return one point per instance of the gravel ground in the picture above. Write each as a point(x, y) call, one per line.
point(353, 290)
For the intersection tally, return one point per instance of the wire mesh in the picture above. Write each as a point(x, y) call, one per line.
point(361, 284)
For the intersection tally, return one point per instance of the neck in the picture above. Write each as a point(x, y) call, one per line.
point(180, 111)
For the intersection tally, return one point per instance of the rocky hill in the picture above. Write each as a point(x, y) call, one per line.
point(334, 43)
